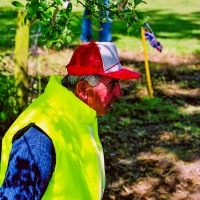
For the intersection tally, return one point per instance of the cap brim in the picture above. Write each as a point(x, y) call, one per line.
point(123, 74)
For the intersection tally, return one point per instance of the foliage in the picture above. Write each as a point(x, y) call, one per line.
point(9, 109)
point(144, 112)
point(57, 20)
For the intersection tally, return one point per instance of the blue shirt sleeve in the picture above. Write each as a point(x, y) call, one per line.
point(31, 164)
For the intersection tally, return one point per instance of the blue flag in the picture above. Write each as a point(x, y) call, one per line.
point(149, 35)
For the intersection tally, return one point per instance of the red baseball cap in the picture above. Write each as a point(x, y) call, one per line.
point(98, 58)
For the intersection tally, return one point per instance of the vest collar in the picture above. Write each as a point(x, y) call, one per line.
point(66, 99)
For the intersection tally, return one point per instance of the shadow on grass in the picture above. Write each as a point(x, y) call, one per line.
point(176, 26)
point(156, 133)
point(165, 25)
point(151, 139)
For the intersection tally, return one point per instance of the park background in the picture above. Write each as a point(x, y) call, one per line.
point(151, 145)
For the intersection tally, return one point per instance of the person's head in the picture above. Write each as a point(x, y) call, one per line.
point(94, 72)
point(97, 91)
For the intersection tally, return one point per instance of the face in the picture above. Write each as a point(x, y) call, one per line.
point(102, 97)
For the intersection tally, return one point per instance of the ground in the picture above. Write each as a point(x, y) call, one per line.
point(149, 160)
point(151, 145)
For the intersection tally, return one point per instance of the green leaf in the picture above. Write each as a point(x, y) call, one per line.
point(87, 16)
point(17, 4)
point(145, 19)
point(43, 4)
point(58, 45)
point(125, 12)
point(134, 29)
point(74, 20)
point(136, 2)
point(69, 38)
point(50, 9)
point(69, 8)
point(49, 43)
point(3, 116)
point(58, 2)
point(144, 2)
point(25, 19)
point(31, 14)
point(104, 20)
point(74, 23)
point(140, 15)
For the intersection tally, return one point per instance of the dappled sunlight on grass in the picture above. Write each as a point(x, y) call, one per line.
point(158, 139)
point(172, 89)
point(189, 109)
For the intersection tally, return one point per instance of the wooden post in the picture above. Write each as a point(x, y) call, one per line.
point(21, 59)
point(149, 85)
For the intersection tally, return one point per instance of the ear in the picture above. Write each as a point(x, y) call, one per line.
point(81, 90)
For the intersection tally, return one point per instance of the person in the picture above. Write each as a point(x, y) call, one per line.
point(105, 34)
point(52, 150)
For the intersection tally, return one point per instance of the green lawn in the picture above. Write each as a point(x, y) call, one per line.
point(175, 23)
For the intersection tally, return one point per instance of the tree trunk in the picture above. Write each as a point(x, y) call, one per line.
point(21, 60)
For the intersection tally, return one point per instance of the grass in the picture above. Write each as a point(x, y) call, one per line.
point(175, 24)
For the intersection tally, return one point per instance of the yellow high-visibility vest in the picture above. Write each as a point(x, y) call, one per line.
point(72, 125)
